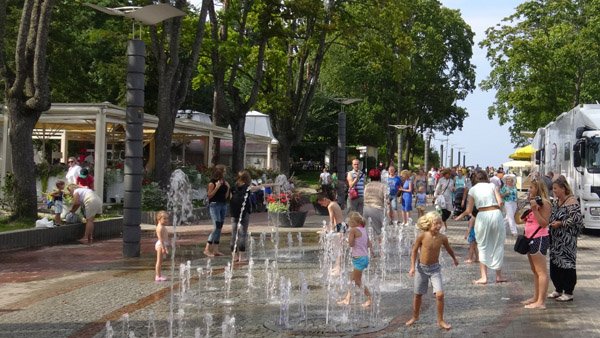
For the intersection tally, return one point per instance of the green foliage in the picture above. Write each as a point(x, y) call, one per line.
point(544, 61)
point(192, 174)
point(8, 190)
point(11, 224)
point(153, 197)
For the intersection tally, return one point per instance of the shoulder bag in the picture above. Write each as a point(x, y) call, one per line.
point(522, 242)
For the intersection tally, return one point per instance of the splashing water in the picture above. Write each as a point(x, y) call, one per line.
point(228, 327)
point(109, 330)
point(180, 206)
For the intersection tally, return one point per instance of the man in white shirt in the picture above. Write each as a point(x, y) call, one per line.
point(73, 171)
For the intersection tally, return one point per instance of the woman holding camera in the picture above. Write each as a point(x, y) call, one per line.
point(565, 225)
point(536, 228)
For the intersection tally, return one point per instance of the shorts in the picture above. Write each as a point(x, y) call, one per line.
point(58, 207)
point(539, 244)
point(421, 208)
point(341, 227)
point(426, 273)
point(471, 237)
point(360, 263)
point(394, 202)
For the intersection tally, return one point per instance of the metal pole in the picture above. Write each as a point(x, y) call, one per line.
point(134, 134)
point(426, 155)
point(451, 157)
point(341, 157)
point(458, 158)
point(400, 149)
point(441, 155)
point(464, 160)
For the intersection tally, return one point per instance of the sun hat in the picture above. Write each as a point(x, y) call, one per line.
point(83, 173)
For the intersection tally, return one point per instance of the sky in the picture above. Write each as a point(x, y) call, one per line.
point(484, 141)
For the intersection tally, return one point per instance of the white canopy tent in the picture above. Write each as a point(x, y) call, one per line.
point(100, 123)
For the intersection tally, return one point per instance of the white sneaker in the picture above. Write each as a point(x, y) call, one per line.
point(554, 295)
point(564, 298)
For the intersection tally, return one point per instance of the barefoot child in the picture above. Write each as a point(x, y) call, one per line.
point(57, 201)
point(470, 237)
point(360, 243)
point(421, 201)
point(336, 224)
point(430, 242)
point(162, 244)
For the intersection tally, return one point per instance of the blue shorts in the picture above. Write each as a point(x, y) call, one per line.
point(539, 244)
point(471, 237)
point(360, 263)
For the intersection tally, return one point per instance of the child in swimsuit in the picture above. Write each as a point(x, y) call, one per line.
point(360, 243)
point(162, 244)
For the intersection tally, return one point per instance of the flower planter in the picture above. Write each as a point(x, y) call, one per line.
point(292, 219)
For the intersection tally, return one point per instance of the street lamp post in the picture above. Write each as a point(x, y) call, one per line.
point(134, 114)
point(458, 157)
point(442, 157)
point(428, 135)
point(464, 159)
point(341, 147)
point(400, 128)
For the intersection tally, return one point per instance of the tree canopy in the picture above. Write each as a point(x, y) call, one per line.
point(544, 61)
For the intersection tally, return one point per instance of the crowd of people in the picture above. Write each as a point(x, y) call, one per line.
point(487, 199)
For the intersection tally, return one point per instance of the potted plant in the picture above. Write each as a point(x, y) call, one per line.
point(284, 209)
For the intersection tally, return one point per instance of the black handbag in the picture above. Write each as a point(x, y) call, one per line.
point(522, 242)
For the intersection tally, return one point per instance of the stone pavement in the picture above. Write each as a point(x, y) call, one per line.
point(73, 290)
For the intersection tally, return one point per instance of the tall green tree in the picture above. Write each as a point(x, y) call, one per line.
point(240, 30)
point(294, 59)
point(544, 61)
point(410, 62)
point(175, 60)
point(27, 92)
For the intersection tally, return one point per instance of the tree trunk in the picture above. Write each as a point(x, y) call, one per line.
point(163, 138)
point(283, 155)
point(238, 143)
point(22, 122)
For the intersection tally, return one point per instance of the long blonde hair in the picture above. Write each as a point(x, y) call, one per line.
point(355, 218)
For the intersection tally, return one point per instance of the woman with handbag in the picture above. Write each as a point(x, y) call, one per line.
point(565, 225)
point(356, 181)
point(489, 225)
point(443, 195)
point(536, 230)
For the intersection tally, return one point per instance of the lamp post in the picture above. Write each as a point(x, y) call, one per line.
point(341, 146)
point(464, 159)
point(400, 128)
point(442, 157)
point(134, 115)
point(458, 157)
point(428, 135)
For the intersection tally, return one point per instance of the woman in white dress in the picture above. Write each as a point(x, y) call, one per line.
point(489, 225)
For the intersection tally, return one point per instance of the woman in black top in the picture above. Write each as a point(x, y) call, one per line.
point(218, 194)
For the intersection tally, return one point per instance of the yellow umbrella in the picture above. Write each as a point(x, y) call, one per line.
point(523, 153)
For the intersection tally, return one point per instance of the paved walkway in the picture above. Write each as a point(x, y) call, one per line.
point(73, 290)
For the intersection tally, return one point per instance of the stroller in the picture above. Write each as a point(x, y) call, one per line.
point(458, 195)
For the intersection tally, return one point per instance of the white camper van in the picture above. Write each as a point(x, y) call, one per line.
point(570, 146)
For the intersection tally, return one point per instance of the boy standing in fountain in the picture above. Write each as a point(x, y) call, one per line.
point(358, 240)
point(162, 244)
point(336, 223)
point(428, 267)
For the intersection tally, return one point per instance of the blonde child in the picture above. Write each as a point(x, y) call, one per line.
point(57, 201)
point(421, 201)
point(473, 256)
point(336, 227)
point(360, 244)
point(162, 244)
point(428, 268)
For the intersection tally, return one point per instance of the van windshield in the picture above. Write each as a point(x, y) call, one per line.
point(592, 156)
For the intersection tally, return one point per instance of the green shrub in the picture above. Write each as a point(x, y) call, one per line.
point(8, 191)
point(153, 197)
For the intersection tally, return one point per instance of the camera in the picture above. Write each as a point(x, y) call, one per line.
point(539, 201)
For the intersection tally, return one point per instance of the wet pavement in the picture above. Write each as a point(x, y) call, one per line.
point(73, 290)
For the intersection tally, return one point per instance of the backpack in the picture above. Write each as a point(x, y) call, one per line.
point(237, 199)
